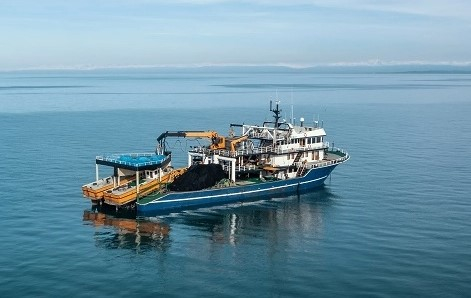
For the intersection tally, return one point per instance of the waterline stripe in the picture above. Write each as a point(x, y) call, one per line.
point(232, 194)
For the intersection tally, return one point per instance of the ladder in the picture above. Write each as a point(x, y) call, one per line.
point(298, 157)
point(300, 171)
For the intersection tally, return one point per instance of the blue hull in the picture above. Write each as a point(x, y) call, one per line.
point(175, 201)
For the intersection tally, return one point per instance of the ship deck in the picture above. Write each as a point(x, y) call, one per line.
point(332, 156)
point(244, 182)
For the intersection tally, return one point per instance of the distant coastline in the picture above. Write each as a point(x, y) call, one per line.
point(464, 68)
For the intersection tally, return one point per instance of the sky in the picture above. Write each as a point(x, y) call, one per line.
point(72, 34)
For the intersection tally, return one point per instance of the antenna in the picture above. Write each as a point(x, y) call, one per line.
point(292, 108)
point(316, 122)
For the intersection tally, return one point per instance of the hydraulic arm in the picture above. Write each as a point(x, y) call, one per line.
point(217, 142)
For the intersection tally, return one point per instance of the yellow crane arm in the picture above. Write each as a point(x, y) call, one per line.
point(200, 134)
point(217, 142)
point(235, 141)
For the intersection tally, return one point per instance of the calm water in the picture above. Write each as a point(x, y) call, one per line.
point(393, 221)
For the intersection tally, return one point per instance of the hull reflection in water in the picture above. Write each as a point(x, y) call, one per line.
point(277, 221)
point(127, 232)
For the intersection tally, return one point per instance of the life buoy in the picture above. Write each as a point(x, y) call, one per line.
point(305, 135)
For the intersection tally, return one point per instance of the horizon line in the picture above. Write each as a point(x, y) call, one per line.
point(371, 63)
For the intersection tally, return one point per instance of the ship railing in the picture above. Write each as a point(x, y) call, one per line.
point(114, 158)
point(260, 150)
point(337, 150)
point(325, 163)
point(228, 153)
point(240, 168)
point(308, 147)
point(260, 135)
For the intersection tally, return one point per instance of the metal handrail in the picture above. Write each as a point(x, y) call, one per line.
point(329, 162)
point(240, 168)
point(260, 150)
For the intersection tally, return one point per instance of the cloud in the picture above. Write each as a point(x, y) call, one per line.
point(418, 7)
point(449, 8)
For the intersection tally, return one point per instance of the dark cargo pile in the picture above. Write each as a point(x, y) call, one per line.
point(198, 177)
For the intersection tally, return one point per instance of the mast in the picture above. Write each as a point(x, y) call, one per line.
point(276, 113)
point(277, 117)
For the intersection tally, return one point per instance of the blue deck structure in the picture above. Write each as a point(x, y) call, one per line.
point(134, 161)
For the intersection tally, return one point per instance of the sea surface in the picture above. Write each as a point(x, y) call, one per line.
point(394, 221)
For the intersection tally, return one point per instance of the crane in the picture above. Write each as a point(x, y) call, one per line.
point(217, 142)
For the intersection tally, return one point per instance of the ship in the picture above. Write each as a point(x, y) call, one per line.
point(274, 159)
